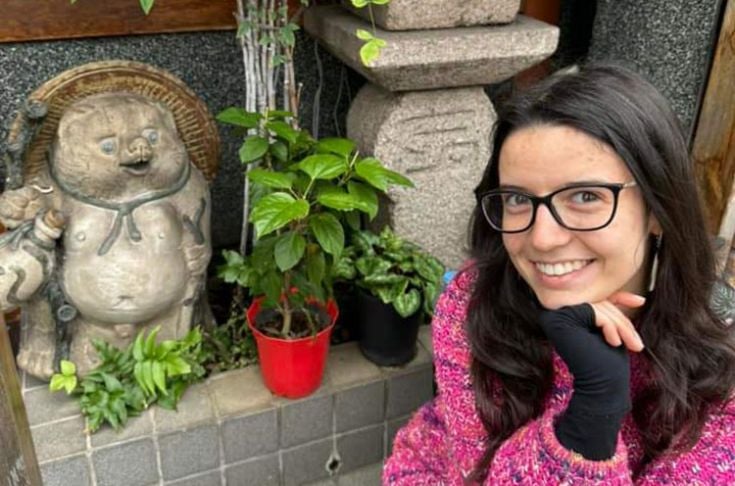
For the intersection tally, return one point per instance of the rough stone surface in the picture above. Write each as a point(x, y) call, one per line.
point(263, 471)
point(239, 391)
point(189, 452)
point(112, 464)
point(347, 366)
point(361, 447)
point(470, 56)
point(435, 14)
point(212, 478)
point(195, 408)
point(440, 140)
point(59, 439)
point(306, 462)
point(250, 436)
point(408, 392)
point(74, 470)
point(360, 406)
point(668, 41)
point(306, 420)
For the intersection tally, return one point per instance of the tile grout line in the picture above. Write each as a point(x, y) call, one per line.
point(92, 470)
point(156, 447)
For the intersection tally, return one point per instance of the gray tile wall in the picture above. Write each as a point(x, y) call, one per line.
point(219, 436)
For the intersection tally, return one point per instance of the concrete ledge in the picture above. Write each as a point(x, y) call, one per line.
point(440, 58)
point(232, 430)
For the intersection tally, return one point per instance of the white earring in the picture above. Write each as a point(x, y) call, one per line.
point(654, 266)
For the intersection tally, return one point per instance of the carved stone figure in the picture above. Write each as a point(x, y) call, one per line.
point(136, 244)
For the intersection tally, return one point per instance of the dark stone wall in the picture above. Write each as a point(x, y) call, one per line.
point(210, 63)
point(670, 42)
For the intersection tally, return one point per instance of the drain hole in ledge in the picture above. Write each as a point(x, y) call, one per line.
point(334, 464)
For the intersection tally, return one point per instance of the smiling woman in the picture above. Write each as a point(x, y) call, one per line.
point(578, 345)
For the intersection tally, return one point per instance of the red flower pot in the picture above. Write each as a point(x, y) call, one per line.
point(292, 368)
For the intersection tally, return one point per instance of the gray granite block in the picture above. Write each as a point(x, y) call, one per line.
point(136, 427)
point(393, 426)
point(305, 420)
point(59, 439)
point(211, 478)
point(30, 382)
point(194, 408)
point(66, 472)
point(360, 448)
point(408, 392)
point(250, 436)
point(126, 464)
point(437, 58)
point(347, 366)
point(44, 406)
point(425, 339)
point(239, 391)
point(189, 452)
point(436, 14)
point(365, 476)
point(263, 471)
point(360, 406)
point(306, 463)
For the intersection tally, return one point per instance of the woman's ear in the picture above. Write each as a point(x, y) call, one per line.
point(654, 227)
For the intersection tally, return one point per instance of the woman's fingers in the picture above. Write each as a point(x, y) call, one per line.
point(616, 327)
point(627, 299)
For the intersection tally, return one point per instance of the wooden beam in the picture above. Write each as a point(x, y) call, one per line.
point(713, 148)
point(18, 464)
point(24, 20)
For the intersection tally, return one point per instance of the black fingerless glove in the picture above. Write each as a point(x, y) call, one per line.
point(601, 397)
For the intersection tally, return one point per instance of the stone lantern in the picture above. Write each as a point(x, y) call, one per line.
point(424, 111)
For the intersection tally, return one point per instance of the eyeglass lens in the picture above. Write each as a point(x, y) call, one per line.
point(580, 208)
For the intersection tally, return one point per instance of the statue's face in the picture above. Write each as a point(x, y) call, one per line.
point(117, 146)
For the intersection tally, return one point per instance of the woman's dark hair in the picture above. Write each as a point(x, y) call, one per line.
point(690, 351)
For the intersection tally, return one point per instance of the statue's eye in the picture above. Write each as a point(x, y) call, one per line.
point(151, 135)
point(108, 146)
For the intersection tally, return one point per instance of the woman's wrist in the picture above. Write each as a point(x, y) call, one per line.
point(593, 436)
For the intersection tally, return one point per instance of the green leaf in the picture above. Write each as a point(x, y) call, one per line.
point(283, 130)
point(344, 268)
point(328, 232)
point(372, 171)
point(336, 198)
point(338, 146)
point(272, 114)
point(272, 285)
point(289, 250)
point(147, 373)
point(138, 347)
point(146, 5)
point(270, 178)
point(275, 211)
point(315, 267)
point(359, 3)
point(380, 2)
point(384, 279)
point(279, 151)
point(431, 293)
point(61, 382)
point(363, 34)
point(323, 166)
point(372, 265)
point(407, 304)
point(365, 197)
point(176, 365)
point(239, 117)
point(353, 220)
point(370, 51)
point(111, 383)
point(159, 377)
point(253, 149)
point(384, 293)
point(68, 368)
point(150, 343)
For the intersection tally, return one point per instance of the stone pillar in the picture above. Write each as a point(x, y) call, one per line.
point(424, 112)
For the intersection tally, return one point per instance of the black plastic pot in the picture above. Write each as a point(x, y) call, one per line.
point(386, 338)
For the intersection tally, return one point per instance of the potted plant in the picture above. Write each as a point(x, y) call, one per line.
point(303, 194)
point(397, 284)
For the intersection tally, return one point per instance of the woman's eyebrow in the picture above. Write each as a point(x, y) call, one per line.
point(584, 182)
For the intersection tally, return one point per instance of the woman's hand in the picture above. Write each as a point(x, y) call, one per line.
point(614, 324)
point(589, 338)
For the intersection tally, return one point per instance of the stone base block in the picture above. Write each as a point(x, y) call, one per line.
point(439, 139)
point(441, 58)
point(437, 14)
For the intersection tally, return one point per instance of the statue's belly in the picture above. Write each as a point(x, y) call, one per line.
point(133, 282)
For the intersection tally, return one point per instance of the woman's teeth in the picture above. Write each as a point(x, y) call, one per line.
point(557, 269)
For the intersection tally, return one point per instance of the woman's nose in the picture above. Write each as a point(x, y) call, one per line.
point(546, 233)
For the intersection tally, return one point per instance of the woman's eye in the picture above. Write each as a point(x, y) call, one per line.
point(108, 146)
point(582, 197)
point(151, 135)
point(515, 199)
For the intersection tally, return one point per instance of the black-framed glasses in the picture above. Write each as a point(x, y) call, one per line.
point(578, 207)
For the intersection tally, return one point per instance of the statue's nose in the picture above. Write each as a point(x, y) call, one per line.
point(140, 148)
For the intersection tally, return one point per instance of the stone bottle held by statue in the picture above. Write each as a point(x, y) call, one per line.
point(28, 258)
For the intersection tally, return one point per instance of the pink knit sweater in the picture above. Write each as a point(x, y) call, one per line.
point(444, 439)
